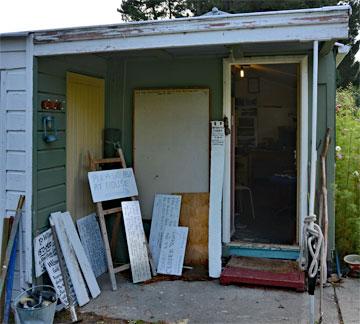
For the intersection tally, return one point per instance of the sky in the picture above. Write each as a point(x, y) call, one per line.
point(25, 15)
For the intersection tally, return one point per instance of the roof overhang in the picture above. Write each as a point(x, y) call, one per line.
point(322, 24)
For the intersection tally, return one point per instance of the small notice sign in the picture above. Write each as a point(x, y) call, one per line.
point(112, 184)
point(137, 245)
point(92, 241)
point(173, 250)
point(53, 268)
point(44, 247)
point(166, 212)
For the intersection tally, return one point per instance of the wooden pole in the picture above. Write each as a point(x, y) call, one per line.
point(14, 229)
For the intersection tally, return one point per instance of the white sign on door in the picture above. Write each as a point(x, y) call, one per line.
point(112, 184)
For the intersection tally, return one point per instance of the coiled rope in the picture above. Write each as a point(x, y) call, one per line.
point(312, 242)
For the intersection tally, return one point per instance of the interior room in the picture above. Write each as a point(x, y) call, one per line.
point(264, 144)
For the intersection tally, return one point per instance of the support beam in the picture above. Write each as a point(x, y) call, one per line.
point(326, 47)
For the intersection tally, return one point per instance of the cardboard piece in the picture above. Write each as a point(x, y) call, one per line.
point(112, 184)
point(194, 214)
point(44, 247)
point(172, 251)
point(53, 268)
point(216, 188)
point(92, 241)
point(166, 212)
point(136, 240)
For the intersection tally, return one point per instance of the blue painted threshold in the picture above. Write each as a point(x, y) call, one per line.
point(261, 251)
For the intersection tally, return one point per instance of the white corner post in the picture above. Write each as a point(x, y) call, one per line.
point(314, 128)
point(313, 158)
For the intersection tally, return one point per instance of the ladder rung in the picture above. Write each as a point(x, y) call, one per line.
point(121, 268)
point(112, 211)
point(108, 160)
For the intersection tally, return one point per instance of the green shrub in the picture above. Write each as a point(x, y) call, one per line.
point(347, 208)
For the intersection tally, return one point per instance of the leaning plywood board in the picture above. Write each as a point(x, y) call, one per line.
point(216, 185)
point(171, 142)
point(137, 245)
point(112, 184)
point(173, 250)
point(70, 260)
point(166, 212)
point(194, 214)
point(80, 254)
point(92, 241)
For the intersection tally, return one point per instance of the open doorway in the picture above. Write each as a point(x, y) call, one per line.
point(265, 106)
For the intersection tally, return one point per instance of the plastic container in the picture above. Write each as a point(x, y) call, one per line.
point(44, 312)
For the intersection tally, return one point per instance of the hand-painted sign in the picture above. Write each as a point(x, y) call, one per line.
point(112, 184)
point(166, 212)
point(44, 247)
point(137, 245)
point(92, 241)
point(172, 251)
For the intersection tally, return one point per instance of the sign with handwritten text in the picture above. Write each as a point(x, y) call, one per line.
point(112, 184)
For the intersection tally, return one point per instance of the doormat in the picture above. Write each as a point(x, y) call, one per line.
point(263, 272)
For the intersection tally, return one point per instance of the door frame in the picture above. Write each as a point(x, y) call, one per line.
point(302, 140)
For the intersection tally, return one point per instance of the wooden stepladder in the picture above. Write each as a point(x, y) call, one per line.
point(96, 165)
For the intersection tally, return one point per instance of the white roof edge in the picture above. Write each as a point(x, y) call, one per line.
point(344, 7)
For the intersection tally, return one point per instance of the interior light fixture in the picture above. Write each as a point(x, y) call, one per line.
point(242, 72)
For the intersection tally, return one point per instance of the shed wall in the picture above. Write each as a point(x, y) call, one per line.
point(15, 147)
point(50, 158)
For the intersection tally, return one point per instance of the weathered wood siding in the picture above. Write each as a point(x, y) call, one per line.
point(50, 158)
point(15, 147)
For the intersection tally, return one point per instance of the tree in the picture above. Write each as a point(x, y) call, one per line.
point(135, 10)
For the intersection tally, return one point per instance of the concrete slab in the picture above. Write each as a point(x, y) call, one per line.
point(348, 294)
point(205, 302)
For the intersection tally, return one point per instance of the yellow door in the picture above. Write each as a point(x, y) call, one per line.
point(84, 132)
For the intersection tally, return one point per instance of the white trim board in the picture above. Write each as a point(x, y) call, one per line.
point(302, 124)
point(290, 25)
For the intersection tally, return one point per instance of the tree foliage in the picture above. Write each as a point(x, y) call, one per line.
point(135, 10)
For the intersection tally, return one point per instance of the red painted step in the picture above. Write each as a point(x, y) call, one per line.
point(263, 272)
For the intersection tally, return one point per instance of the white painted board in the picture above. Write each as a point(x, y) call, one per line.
point(92, 241)
point(80, 254)
point(44, 247)
point(136, 240)
point(112, 184)
point(216, 187)
point(171, 143)
point(53, 268)
point(70, 259)
point(172, 251)
point(166, 212)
